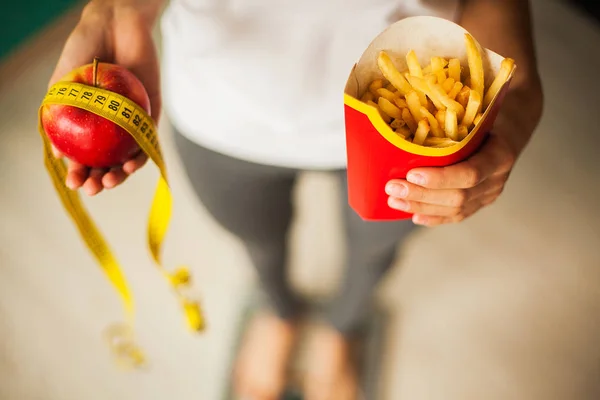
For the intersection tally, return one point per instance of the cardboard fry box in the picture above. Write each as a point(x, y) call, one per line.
point(375, 153)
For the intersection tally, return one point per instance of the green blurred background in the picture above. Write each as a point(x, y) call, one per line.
point(20, 19)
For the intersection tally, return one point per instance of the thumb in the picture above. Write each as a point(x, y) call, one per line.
point(57, 153)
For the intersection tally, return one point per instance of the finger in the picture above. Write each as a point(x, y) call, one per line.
point(93, 185)
point(414, 207)
point(402, 189)
point(56, 152)
point(494, 158)
point(430, 220)
point(80, 49)
point(435, 220)
point(114, 177)
point(77, 174)
point(135, 163)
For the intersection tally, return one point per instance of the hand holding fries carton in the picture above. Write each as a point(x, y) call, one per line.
point(423, 94)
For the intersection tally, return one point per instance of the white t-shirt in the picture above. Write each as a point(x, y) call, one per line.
point(263, 80)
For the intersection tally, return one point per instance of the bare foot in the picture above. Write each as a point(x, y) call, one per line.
point(261, 368)
point(331, 373)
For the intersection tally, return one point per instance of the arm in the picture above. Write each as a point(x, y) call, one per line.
point(505, 27)
point(450, 194)
point(149, 9)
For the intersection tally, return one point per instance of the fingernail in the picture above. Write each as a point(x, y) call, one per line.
point(415, 178)
point(398, 204)
point(396, 189)
point(418, 219)
point(69, 184)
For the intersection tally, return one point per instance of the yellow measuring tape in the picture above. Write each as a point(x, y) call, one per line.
point(134, 120)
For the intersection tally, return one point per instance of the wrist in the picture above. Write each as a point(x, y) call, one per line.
point(520, 115)
point(105, 10)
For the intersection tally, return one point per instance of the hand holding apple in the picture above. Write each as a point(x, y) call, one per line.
point(118, 35)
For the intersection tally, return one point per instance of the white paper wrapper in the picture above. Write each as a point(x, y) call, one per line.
point(428, 37)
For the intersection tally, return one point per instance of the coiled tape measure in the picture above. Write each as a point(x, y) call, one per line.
point(134, 120)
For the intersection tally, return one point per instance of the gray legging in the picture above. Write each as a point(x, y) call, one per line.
point(253, 202)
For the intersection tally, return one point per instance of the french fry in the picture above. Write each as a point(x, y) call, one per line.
point(392, 74)
point(437, 67)
point(471, 110)
point(386, 118)
point(434, 126)
point(445, 144)
point(463, 132)
point(368, 96)
point(422, 98)
point(477, 118)
point(440, 115)
point(422, 85)
point(431, 78)
point(410, 121)
point(414, 105)
point(456, 88)
point(475, 65)
point(446, 101)
point(404, 132)
point(414, 68)
point(400, 102)
point(419, 90)
point(389, 108)
point(433, 104)
point(454, 69)
point(434, 141)
point(397, 123)
point(422, 132)
point(463, 96)
point(376, 84)
point(448, 85)
point(451, 124)
point(506, 68)
point(385, 93)
point(430, 106)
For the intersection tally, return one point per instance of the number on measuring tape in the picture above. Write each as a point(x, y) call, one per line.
point(85, 96)
point(126, 113)
point(100, 100)
point(137, 120)
point(112, 106)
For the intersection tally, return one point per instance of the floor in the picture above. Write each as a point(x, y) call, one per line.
point(503, 306)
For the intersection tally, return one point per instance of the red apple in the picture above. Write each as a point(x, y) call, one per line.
point(85, 137)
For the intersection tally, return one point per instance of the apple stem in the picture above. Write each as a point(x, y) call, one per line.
point(95, 72)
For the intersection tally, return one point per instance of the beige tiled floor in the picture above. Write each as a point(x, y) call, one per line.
point(504, 306)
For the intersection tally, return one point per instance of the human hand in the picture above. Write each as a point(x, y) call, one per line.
point(450, 194)
point(116, 34)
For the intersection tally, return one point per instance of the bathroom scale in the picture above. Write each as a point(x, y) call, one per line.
point(369, 348)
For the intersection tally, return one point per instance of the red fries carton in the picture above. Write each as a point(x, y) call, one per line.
point(375, 153)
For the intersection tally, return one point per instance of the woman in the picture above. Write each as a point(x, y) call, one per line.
point(253, 89)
